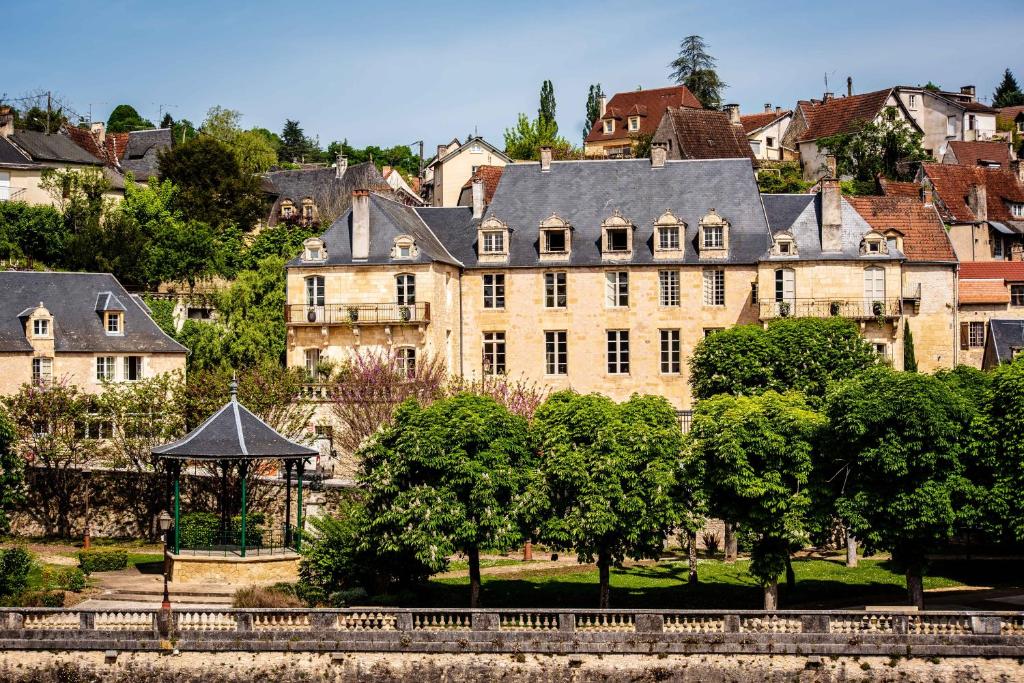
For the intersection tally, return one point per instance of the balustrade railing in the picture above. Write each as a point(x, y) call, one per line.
point(854, 309)
point(358, 314)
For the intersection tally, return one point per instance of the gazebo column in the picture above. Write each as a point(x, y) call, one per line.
point(225, 507)
point(177, 506)
point(288, 503)
point(243, 468)
point(298, 512)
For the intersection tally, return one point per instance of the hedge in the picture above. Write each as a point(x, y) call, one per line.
point(102, 560)
point(202, 530)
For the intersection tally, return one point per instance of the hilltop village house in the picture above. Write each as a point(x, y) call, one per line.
point(454, 165)
point(628, 116)
point(765, 132)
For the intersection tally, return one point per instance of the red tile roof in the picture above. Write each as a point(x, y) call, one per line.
point(924, 235)
point(110, 151)
point(970, 153)
point(953, 182)
point(707, 134)
point(491, 175)
point(841, 115)
point(1007, 115)
point(893, 188)
point(752, 122)
point(983, 292)
point(1010, 271)
point(649, 105)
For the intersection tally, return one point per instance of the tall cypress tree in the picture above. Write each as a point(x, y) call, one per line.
point(546, 112)
point(593, 108)
point(1008, 94)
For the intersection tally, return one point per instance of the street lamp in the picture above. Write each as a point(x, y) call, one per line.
point(163, 522)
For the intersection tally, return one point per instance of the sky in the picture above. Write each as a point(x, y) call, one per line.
point(397, 72)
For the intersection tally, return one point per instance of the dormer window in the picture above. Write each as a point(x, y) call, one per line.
point(873, 244)
point(113, 322)
point(616, 236)
point(554, 241)
point(313, 250)
point(40, 327)
point(634, 123)
point(714, 236)
point(1017, 209)
point(555, 238)
point(609, 126)
point(894, 240)
point(404, 248)
point(784, 245)
point(287, 209)
point(668, 236)
point(492, 240)
point(307, 210)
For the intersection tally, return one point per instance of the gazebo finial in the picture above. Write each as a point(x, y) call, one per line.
point(234, 386)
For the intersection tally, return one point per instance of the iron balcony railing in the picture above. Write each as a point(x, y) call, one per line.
point(855, 309)
point(224, 542)
point(358, 314)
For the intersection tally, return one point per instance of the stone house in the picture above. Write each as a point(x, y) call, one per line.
point(454, 165)
point(136, 152)
point(946, 117)
point(629, 115)
point(702, 134)
point(83, 328)
point(314, 196)
point(766, 130)
point(991, 300)
point(991, 154)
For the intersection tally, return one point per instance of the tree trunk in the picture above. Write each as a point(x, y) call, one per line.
point(851, 549)
point(731, 544)
point(915, 588)
point(771, 596)
point(790, 574)
point(604, 570)
point(474, 575)
point(692, 538)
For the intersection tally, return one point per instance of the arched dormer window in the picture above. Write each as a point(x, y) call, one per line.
point(874, 244)
point(308, 209)
point(492, 240)
point(616, 236)
point(668, 235)
point(713, 236)
point(287, 209)
point(313, 250)
point(555, 239)
point(404, 248)
point(894, 240)
point(784, 245)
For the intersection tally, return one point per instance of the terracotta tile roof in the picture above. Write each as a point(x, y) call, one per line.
point(491, 175)
point(983, 292)
point(841, 115)
point(893, 188)
point(1011, 271)
point(706, 134)
point(970, 153)
point(649, 105)
point(1007, 115)
point(953, 182)
point(110, 151)
point(924, 235)
point(752, 122)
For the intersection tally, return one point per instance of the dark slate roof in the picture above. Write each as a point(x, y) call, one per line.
point(9, 154)
point(1005, 336)
point(52, 147)
point(585, 193)
point(73, 300)
point(323, 186)
point(233, 433)
point(108, 301)
point(388, 220)
point(144, 146)
point(800, 214)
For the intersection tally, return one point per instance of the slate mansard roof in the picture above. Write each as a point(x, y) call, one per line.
point(1006, 338)
point(76, 301)
point(800, 215)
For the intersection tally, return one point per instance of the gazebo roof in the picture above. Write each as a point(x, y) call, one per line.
point(233, 433)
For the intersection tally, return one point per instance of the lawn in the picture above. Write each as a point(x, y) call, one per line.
point(820, 584)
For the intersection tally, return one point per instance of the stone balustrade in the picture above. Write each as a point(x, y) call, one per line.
point(558, 631)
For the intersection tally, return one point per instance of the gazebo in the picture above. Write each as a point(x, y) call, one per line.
point(234, 437)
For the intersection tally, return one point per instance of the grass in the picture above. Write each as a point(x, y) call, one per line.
point(820, 584)
point(463, 565)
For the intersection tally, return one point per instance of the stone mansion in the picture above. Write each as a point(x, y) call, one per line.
point(604, 275)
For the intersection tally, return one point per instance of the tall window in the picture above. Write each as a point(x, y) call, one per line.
point(668, 237)
point(785, 289)
point(714, 287)
point(494, 353)
point(40, 327)
point(874, 287)
point(104, 368)
point(42, 370)
point(113, 323)
point(494, 290)
point(997, 247)
point(494, 242)
point(406, 361)
point(714, 236)
point(315, 290)
point(668, 287)
point(618, 352)
point(616, 289)
point(405, 286)
point(1017, 295)
point(312, 358)
point(670, 364)
point(556, 353)
point(132, 368)
point(555, 295)
point(976, 334)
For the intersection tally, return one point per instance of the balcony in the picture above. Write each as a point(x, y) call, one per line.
point(358, 314)
point(854, 309)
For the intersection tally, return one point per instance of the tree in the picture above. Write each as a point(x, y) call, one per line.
point(125, 119)
point(897, 444)
point(783, 178)
point(608, 477)
point(932, 87)
point(295, 146)
point(12, 472)
point(546, 111)
point(33, 232)
point(593, 110)
point(400, 157)
point(1003, 410)
point(695, 69)
point(756, 455)
point(452, 476)
point(182, 131)
point(527, 137)
point(167, 121)
point(884, 146)
point(909, 357)
point(1008, 93)
point(254, 152)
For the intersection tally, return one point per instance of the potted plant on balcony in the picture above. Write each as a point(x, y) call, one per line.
point(311, 314)
point(405, 313)
point(784, 309)
point(834, 308)
point(353, 314)
point(878, 310)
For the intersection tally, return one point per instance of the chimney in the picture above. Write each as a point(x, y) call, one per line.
point(478, 198)
point(827, 96)
point(545, 159)
point(340, 166)
point(1017, 168)
point(831, 209)
point(968, 90)
point(849, 86)
point(440, 151)
point(98, 130)
point(659, 152)
point(360, 225)
point(977, 202)
point(733, 110)
point(778, 110)
point(6, 121)
point(767, 107)
point(603, 101)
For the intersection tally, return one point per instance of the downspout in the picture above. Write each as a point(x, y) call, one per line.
point(461, 324)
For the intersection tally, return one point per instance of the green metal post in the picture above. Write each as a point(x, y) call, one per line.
point(177, 508)
point(298, 512)
point(242, 469)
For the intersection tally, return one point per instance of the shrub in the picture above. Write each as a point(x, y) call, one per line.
point(712, 542)
point(265, 596)
point(349, 597)
point(41, 599)
point(70, 579)
point(15, 565)
point(202, 529)
point(102, 560)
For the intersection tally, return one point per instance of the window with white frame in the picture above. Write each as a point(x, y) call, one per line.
point(494, 242)
point(616, 289)
point(312, 362)
point(668, 237)
point(668, 287)
point(670, 362)
point(40, 327)
point(405, 289)
point(494, 353)
point(132, 368)
point(785, 289)
point(618, 352)
point(555, 291)
point(406, 361)
point(634, 123)
point(404, 248)
point(104, 368)
point(315, 290)
point(714, 287)
point(882, 349)
point(114, 322)
point(1017, 295)
point(976, 334)
point(494, 290)
point(874, 287)
point(556, 353)
point(714, 236)
point(1017, 209)
point(997, 246)
point(912, 101)
point(609, 126)
point(42, 370)
point(951, 126)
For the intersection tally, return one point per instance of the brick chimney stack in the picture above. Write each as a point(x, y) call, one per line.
point(98, 130)
point(767, 107)
point(6, 121)
point(478, 198)
point(658, 155)
point(734, 113)
point(360, 225)
point(977, 202)
point(831, 209)
point(545, 159)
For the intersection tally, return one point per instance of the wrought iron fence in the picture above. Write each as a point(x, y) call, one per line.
point(855, 309)
point(357, 314)
point(258, 541)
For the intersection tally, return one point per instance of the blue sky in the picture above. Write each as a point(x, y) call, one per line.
point(394, 72)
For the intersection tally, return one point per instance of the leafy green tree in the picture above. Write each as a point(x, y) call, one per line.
point(182, 131)
point(295, 146)
point(400, 157)
point(1005, 411)
point(12, 472)
point(125, 119)
point(932, 87)
point(756, 454)
point(527, 137)
point(546, 111)
point(37, 119)
point(783, 178)
point(884, 146)
point(452, 476)
point(609, 477)
point(909, 357)
point(695, 69)
point(33, 232)
point(593, 110)
point(253, 150)
point(167, 121)
point(1008, 92)
point(897, 441)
